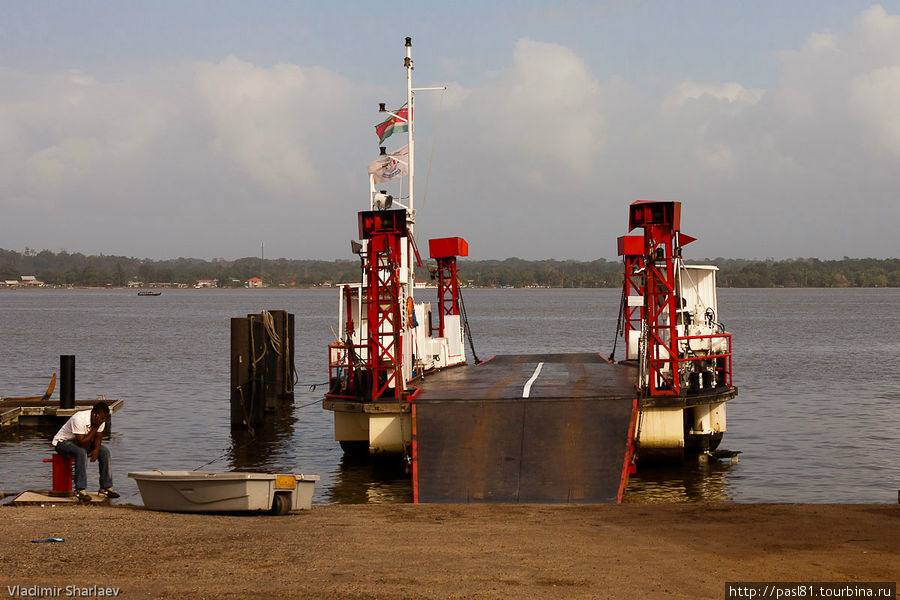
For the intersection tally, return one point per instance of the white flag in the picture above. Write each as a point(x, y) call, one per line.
point(390, 166)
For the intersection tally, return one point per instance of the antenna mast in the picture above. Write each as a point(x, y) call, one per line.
point(408, 63)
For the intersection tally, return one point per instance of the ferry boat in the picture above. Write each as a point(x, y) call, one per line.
point(521, 428)
point(388, 339)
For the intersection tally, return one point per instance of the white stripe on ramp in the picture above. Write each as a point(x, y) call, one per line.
point(526, 391)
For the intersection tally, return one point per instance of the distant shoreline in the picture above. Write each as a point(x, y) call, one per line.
point(96, 271)
point(337, 286)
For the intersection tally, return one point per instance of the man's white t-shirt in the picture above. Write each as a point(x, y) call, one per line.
point(79, 423)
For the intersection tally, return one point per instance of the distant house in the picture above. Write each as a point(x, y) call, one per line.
point(135, 284)
point(9, 283)
point(328, 283)
point(31, 281)
point(254, 282)
point(206, 283)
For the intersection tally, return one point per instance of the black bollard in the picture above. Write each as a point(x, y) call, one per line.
point(67, 381)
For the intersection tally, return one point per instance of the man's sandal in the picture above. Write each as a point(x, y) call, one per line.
point(108, 493)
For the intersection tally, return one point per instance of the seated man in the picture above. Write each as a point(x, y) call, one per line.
point(80, 438)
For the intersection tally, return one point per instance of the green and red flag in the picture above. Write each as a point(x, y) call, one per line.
point(393, 124)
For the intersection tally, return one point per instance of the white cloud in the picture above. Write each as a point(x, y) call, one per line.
point(827, 132)
point(734, 96)
point(178, 153)
point(540, 149)
point(822, 43)
point(453, 98)
point(269, 121)
point(62, 132)
point(835, 108)
point(875, 102)
point(543, 114)
point(72, 130)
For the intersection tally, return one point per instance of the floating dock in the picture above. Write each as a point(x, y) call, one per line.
point(525, 428)
point(31, 413)
point(48, 498)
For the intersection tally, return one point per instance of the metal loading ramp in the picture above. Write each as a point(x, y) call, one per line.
point(525, 428)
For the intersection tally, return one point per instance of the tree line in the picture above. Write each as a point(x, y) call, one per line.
point(75, 269)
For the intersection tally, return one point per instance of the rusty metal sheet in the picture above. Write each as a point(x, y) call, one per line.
point(479, 440)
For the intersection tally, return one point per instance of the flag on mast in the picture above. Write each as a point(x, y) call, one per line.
point(393, 124)
point(390, 166)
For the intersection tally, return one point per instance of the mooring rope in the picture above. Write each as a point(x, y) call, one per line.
point(619, 322)
point(274, 338)
point(253, 359)
point(462, 307)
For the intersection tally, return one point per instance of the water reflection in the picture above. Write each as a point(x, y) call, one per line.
point(37, 433)
point(264, 447)
point(365, 480)
point(683, 482)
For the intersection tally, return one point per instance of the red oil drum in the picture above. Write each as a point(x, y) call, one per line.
point(62, 472)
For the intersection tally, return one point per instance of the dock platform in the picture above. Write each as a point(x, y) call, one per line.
point(525, 428)
point(48, 498)
point(29, 413)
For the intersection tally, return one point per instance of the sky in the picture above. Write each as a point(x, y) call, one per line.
point(204, 129)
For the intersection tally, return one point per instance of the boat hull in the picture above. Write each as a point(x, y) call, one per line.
point(669, 428)
point(208, 491)
point(382, 428)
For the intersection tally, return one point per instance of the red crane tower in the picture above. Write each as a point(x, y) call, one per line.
point(661, 222)
point(445, 251)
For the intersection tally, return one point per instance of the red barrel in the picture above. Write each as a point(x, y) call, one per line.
point(62, 472)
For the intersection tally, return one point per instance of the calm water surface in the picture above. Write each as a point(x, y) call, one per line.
point(816, 419)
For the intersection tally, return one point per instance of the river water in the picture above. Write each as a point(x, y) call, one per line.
point(816, 420)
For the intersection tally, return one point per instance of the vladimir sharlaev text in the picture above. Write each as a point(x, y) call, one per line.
point(57, 591)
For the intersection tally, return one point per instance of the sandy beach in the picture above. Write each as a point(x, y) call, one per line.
point(447, 551)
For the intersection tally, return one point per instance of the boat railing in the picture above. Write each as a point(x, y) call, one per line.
point(726, 355)
point(341, 357)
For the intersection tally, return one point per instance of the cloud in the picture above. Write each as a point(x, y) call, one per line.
point(269, 121)
point(535, 158)
point(543, 114)
point(733, 96)
point(546, 137)
point(840, 87)
point(180, 153)
point(69, 130)
point(875, 103)
point(62, 132)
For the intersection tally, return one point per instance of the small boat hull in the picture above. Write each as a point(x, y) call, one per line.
point(211, 491)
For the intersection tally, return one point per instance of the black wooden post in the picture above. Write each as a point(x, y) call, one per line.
point(67, 381)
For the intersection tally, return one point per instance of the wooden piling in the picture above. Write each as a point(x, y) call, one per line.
point(258, 373)
point(262, 366)
point(240, 372)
